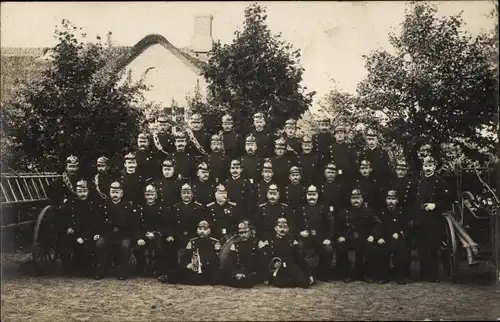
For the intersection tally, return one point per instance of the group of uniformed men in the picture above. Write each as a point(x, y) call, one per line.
point(294, 205)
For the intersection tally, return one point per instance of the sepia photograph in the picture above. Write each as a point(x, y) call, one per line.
point(250, 161)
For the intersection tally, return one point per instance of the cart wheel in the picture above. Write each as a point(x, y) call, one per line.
point(44, 254)
point(450, 251)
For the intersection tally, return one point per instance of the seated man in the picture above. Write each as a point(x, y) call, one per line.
point(352, 228)
point(153, 230)
point(76, 219)
point(120, 230)
point(244, 259)
point(388, 241)
point(281, 254)
point(199, 264)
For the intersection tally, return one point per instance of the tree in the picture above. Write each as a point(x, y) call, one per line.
point(79, 105)
point(438, 84)
point(257, 72)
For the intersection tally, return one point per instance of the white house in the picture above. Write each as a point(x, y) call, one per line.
point(171, 73)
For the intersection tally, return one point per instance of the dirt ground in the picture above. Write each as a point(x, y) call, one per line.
point(53, 298)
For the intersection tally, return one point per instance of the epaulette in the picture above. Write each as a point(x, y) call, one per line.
point(232, 248)
point(199, 204)
point(211, 204)
point(263, 204)
point(232, 203)
point(214, 239)
point(283, 204)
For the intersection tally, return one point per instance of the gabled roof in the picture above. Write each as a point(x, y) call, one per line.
point(155, 39)
point(20, 63)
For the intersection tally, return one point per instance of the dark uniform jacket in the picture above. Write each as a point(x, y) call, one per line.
point(185, 164)
point(100, 187)
point(379, 159)
point(244, 257)
point(218, 165)
point(392, 221)
point(267, 217)
point(203, 139)
point(281, 168)
point(294, 196)
point(240, 191)
point(147, 165)
point(204, 192)
point(355, 223)
point(406, 189)
point(224, 218)
point(208, 249)
point(233, 144)
point(169, 191)
point(264, 143)
point(321, 144)
point(164, 145)
point(345, 158)
point(133, 185)
point(186, 218)
point(432, 189)
point(315, 219)
point(332, 194)
point(79, 215)
point(309, 163)
point(122, 221)
point(153, 219)
point(295, 144)
point(251, 167)
point(59, 190)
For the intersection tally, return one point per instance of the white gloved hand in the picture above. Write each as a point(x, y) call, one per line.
point(150, 235)
point(170, 238)
point(79, 240)
point(141, 242)
point(381, 241)
point(395, 236)
point(304, 233)
point(370, 239)
point(70, 231)
point(341, 239)
point(430, 206)
point(327, 242)
point(96, 237)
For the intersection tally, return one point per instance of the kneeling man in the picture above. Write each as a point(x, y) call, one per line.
point(199, 264)
point(287, 266)
point(244, 259)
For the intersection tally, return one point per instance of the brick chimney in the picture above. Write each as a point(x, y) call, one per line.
point(201, 42)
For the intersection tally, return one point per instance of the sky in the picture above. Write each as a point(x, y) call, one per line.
point(332, 36)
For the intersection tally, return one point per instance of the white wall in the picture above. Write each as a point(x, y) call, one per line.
point(170, 78)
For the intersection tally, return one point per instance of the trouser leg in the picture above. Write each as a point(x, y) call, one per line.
point(400, 260)
point(360, 268)
point(344, 266)
point(101, 251)
point(140, 253)
point(423, 252)
point(123, 257)
point(158, 258)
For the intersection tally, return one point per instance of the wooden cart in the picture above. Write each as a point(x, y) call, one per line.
point(469, 227)
point(25, 207)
